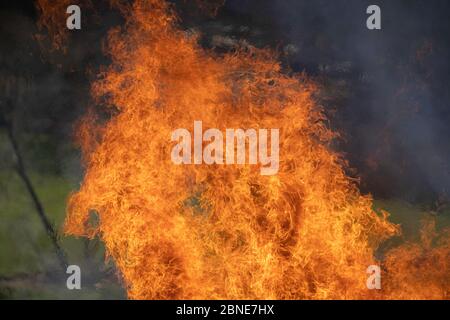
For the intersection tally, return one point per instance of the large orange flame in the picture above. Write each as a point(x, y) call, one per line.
point(225, 231)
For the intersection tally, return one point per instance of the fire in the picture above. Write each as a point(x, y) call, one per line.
point(52, 18)
point(226, 231)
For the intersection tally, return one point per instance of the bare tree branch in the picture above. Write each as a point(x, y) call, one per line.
point(20, 169)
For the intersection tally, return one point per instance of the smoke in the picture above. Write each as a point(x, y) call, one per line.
point(386, 91)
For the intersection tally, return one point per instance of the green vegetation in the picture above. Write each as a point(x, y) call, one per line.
point(28, 264)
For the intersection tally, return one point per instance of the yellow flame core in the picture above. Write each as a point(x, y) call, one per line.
point(225, 231)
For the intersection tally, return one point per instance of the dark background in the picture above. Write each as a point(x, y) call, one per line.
point(385, 91)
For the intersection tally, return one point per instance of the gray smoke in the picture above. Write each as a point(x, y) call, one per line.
point(386, 91)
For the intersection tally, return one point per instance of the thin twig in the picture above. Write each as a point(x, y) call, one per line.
point(20, 169)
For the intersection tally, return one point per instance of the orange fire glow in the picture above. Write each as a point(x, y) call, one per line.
point(225, 231)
